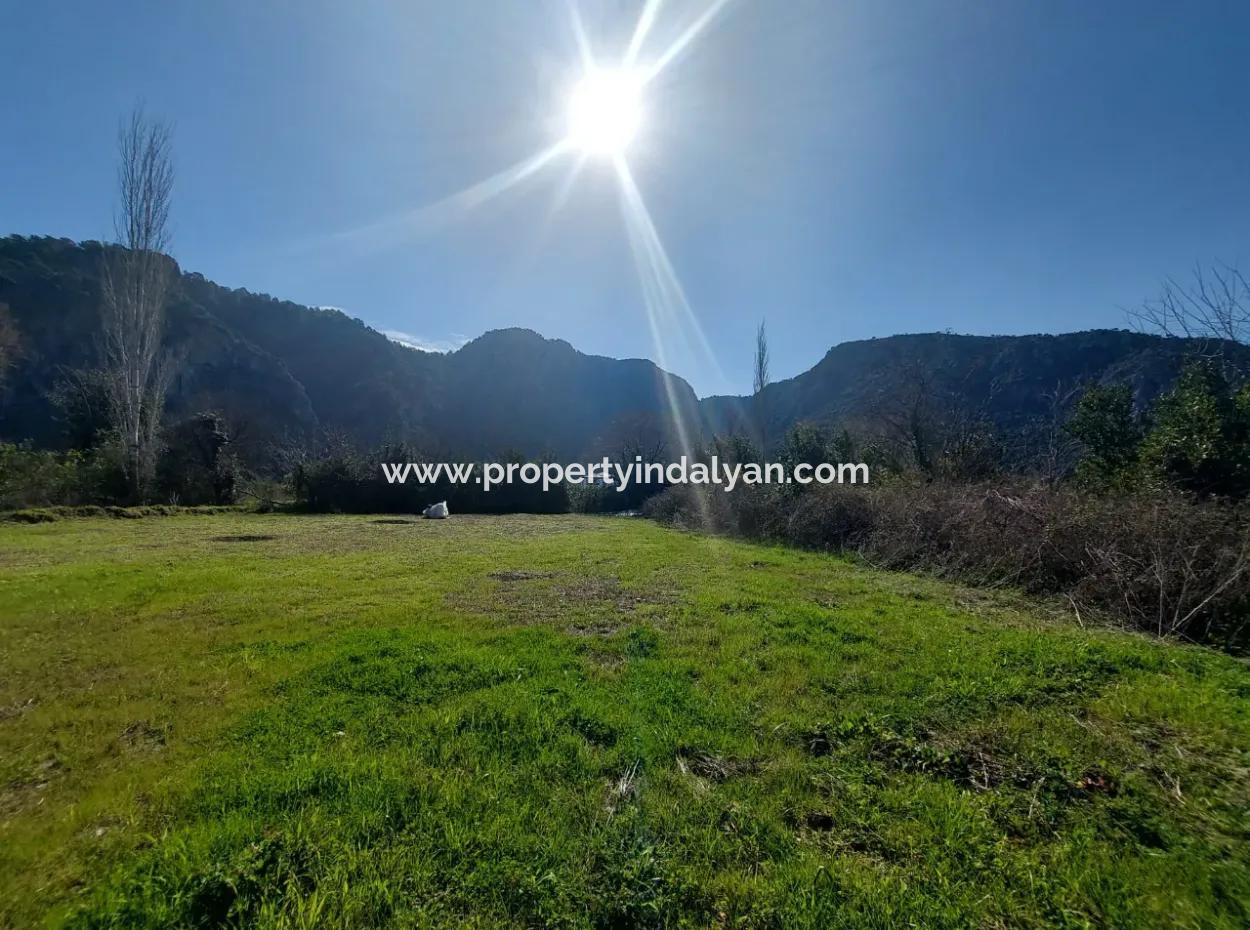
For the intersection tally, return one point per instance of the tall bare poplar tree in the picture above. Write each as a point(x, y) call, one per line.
point(759, 381)
point(137, 280)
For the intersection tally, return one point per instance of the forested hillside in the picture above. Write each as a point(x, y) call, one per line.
point(282, 374)
point(1021, 384)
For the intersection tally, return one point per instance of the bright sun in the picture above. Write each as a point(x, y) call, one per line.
point(605, 110)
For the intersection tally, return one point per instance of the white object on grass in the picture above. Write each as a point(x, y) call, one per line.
point(436, 511)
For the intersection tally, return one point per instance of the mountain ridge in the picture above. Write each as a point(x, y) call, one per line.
point(284, 373)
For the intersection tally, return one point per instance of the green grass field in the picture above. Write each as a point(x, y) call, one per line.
point(284, 721)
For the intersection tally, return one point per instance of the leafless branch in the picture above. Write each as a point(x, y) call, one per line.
point(1213, 309)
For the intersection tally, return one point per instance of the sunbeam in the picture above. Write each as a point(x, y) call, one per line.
point(657, 292)
point(477, 194)
point(584, 51)
point(604, 112)
point(659, 267)
point(645, 22)
point(566, 188)
point(655, 303)
point(459, 203)
point(684, 40)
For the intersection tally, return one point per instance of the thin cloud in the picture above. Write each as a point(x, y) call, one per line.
point(451, 344)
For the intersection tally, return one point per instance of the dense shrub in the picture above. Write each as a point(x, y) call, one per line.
point(53, 514)
point(1110, 432)
point(605, 498)
point(1195, 440)
point(41, 478)
point(1162, 563)
point(1200, 440)
point(196, 467)
point(197, 464)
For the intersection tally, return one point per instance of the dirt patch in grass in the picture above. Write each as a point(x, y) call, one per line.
point(518, 576)
point(142, 736)
point(396, 522)
point(816, 743)
point(740, 607)
point(603, 628)
point(818, 821)
point(17, 708)
point(606, 661)
point(607, 590)
point(580, 604)
point(25, 793)
point(974, 761)
point(243, 538)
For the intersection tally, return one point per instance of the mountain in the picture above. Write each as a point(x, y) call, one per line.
point(1013, 381)
point(513, 389)
point(284, 374)
point(52, 287)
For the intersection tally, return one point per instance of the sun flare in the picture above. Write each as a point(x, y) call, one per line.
point(603, 114)
point(605, 111)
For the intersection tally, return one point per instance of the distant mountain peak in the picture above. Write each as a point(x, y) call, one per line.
point(514, 337)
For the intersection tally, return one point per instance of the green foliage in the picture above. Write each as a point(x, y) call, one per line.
point(844, 448)
point(735, 449)
point(804, 443)
point(1197, 440)
point(40, 478)
point(322, 721)
point(79, 399)
point(1105, 423)
point(197, 463)
point(1200, 441)
point(77, 511)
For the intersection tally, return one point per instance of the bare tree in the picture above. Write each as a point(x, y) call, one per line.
point(1056, 450)
point(640, 434)
point(759, 381)
point(137, 279)
point(1213, 309)
point(907, 413)
point(930, 426)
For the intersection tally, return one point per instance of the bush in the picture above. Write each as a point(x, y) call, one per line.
point(31, 478)
point(53, 514)
point(1160, 563)
point(1196, 439)
point(1200, 442)
point(197, 465)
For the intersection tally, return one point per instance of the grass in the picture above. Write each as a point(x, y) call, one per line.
point(280, 721)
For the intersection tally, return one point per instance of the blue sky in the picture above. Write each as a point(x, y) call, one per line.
point(842, 169)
